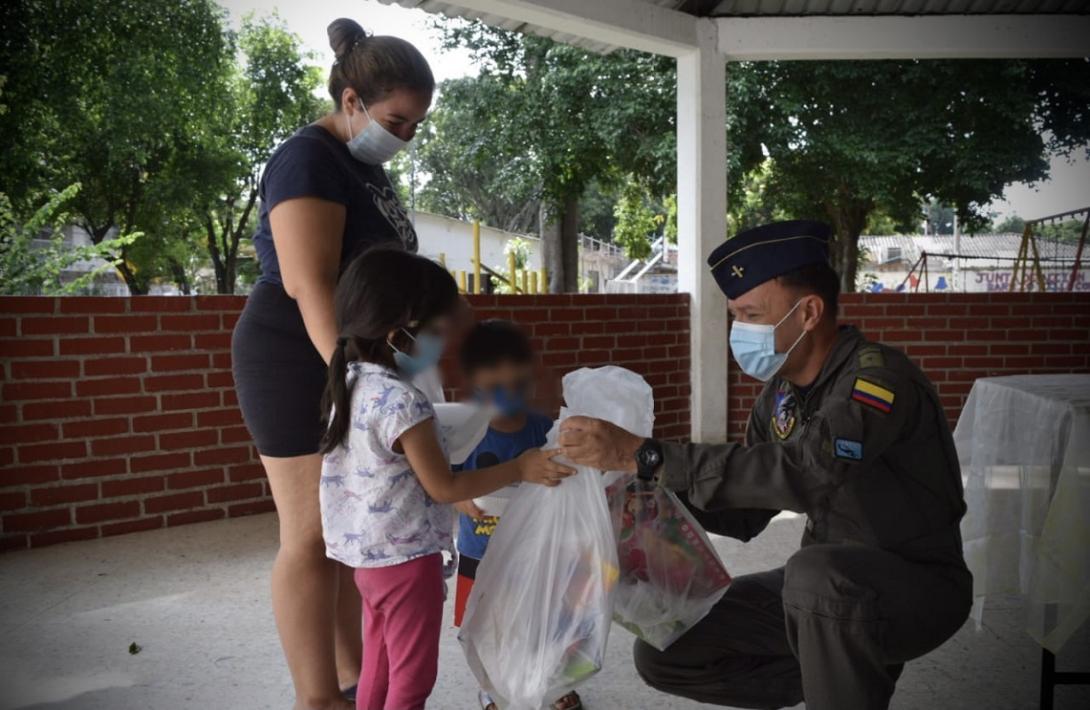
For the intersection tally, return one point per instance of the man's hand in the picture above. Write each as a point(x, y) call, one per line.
point(468, 507)
point(599, 444)
point(537, 466)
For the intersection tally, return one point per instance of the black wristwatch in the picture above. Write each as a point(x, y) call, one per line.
point(648, 459)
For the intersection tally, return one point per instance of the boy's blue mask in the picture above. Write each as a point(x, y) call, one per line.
point(508, 402)
point(426, 354)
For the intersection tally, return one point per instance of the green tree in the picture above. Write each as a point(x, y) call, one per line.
point(637, 220)
point(268, 97)
point(34, 255)
point(113, 95)
point(848, 139)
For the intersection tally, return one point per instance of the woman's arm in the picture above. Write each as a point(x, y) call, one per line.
point(421, 447)
point(308, 233)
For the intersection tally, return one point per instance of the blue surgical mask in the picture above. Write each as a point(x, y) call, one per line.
point(508, 402)
point(373, 145)
point(754, 347)
point(429, 348)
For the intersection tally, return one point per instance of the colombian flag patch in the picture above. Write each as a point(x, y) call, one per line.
point(872, 395)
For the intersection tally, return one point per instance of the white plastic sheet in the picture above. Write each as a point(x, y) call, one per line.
point(1024, 446)
point(462, 426)
point(538, 619)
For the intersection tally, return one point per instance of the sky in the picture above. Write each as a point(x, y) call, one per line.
point(1067, 188)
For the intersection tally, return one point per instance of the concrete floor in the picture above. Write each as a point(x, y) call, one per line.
point(196, 600)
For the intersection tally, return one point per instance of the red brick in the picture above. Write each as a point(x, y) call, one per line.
point(132, 486)
point(115, 366)
point(220, 303)
point(13, 500)
point(190, 400)
point(124, 405)
point(117, 510)
point(190, 323)
point(107, 386)
point(173, 383)
point(159, 304)
point(130, 526)
point(219, 417)
point(95, 427)
point(93, 304)
point(195, 479)
point(38, 520)
point(221, 361)
point(245, 472)
point(168, 363)
point(195, 516)
point(212, 341)
point(125, 324)
point(17, 475)
point(25, 347)
point(27, 304)
point(30, 453)
point(91, 346)
point(159, 343)
point(163, 422)
point(93, 468)
point(28, 432)
point(160, 462)
point(55, 495)
point(44, 369)
point(176, 501)
point(240, 491)
point(251, 508)
point(16, 391)
point(55, 537)
point(234, 435)
point(54, 325)
point(229, 398)
point(210, 457)
point(123, 445)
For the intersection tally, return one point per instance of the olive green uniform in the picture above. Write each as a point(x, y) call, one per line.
point(866, 453)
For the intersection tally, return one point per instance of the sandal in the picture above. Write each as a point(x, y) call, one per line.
point(571, 701)
point(485, 700)
point(349, 693)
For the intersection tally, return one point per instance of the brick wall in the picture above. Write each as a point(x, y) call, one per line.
point(119, 415)
point(959, 337)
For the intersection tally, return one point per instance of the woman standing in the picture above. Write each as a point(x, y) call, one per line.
point(324, 199)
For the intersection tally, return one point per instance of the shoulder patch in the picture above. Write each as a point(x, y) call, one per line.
point(783, 411)
point(871, 356)
point(873, 395)
point(848, 449)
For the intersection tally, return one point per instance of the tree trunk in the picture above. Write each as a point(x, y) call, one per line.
point(560, 243)
point(848, 220)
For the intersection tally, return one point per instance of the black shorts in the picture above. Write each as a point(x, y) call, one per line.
point(279, 375)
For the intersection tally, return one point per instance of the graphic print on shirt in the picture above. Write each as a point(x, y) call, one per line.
point(390, 207)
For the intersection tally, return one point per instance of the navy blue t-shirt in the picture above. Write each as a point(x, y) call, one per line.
point(496, 447)
point(315, 163)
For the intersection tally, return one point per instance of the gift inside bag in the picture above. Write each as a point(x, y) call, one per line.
point(538, 618)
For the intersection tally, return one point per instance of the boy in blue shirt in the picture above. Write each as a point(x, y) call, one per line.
point(497, 362)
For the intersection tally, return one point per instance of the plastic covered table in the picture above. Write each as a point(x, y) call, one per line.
point(1024, 446)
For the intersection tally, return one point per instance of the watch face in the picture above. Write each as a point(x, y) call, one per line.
point(649, 457)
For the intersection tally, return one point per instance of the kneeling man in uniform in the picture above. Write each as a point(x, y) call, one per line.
point(849, 432)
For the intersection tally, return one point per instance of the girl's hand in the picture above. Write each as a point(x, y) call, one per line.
point(468, 507)
point(537, 466)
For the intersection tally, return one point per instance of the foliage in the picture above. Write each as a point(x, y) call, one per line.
point(521, 250)
point(34, 255)
point(848, 139)
point(637, 220)
point(267, 98)
point(116, 96)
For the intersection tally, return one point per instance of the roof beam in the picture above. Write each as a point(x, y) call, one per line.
point(895, 37)
point(625, 23)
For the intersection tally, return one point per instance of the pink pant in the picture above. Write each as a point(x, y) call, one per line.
point(402, 618)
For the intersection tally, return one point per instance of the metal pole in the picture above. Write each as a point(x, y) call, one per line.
point(462, 281)
point(476, 256)
point(511, 268)
point(957, 259)
point(533, 282)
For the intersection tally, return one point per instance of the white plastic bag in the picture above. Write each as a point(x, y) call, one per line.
point(462, 426)
point(671, 576)
point(537, 620)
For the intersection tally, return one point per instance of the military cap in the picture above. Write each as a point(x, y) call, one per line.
point(762, 253)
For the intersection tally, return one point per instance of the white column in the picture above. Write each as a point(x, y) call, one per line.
point(702, 224)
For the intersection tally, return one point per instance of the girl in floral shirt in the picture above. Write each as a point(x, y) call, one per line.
point(386, 483)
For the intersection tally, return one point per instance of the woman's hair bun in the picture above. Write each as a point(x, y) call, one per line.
point(344, 34)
